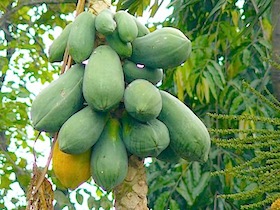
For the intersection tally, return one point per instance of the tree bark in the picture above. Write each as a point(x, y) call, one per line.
point(9, 54)
point(275, 71)
point(132, 193)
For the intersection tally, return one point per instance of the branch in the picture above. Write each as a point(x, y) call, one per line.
point(7, 15)
point(3, 141)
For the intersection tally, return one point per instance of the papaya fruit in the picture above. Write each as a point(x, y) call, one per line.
point(133, 71)
point(58, 46)
point(81, 131)
point(142, 29)
point(144, 139)
point(109, 161)
point(168, 155)
point(82, 36)
point(58, 101)
point(126, 26)
point(163, 48)
point(124, 49)
point(142, 100)
point(105, 23)
point(71, 170)
point(103, 85)
point(189, 137)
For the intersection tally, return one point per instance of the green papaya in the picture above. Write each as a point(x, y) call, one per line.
point(145, 139)
point(58, 101)
point(126, 26)
point(58, 47)
point(105, 23)
point(142, 100)
point(109, 161)
point(103, 85)
point(189, 137)
point(142, 29)
point(81, 131)
point(82, 36)
point(133, 71)
point(168, 155)
point(124, 49)
point(163, 48)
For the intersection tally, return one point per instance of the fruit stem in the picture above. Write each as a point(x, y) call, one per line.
point(96, 6)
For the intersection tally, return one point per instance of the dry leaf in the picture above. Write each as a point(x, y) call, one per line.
point(42, 199)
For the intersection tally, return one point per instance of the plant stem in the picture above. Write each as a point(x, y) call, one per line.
point(132, 193)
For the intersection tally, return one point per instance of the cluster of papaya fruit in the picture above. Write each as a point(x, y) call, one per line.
point(107, 105)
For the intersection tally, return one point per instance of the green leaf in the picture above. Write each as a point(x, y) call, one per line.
point(105, 203)
point(79, 197)
point(92, 203)
point(50, 36)
point(61, 198)
point(160, 203)
point(211, 83)
point(99, 193)
point(5, 182)
point(217, 7)
point(183, 191)
point(173, 205)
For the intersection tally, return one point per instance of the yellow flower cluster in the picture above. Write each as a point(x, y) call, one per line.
point(276, 204)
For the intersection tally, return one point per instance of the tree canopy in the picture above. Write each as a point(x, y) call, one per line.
point(230, 63)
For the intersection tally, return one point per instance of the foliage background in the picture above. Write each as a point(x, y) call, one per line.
point(232, 42)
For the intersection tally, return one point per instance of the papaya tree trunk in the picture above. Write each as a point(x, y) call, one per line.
point(275, 71)
point(132, 193)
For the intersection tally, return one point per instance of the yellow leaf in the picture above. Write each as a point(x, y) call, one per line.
point(276, 204)
point(228, 176)
point(179, 84)
point(267, 27)
point(235, 17)
point(206, 90)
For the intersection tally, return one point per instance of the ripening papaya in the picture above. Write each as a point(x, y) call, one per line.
point(105, 23)
point(189, 137)
point(103, 85)
point(142, 29)
point(71, 170)
point(58, 47)
point(82, 36)
point(163, 48)
point(109, 161)
point(147, 139)
point(59, 100)
point(126, 26)
point(132, 71)
point(124, 49)
point(142, 100)
point(168, 155)
point(81, 131)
